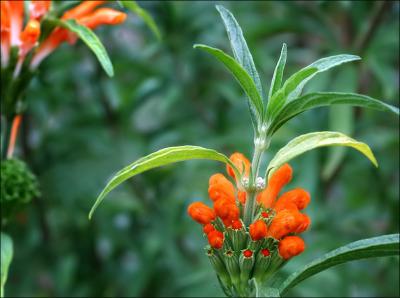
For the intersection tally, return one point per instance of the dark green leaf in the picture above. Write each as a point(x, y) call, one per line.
point(91, 40)
point(387, 245)
point(320, 99)
point(242, 77)
point(161, 158)
point(6, 257)
point(239, 46)
point(278, 73)
point(135, 8)
point(313, 140)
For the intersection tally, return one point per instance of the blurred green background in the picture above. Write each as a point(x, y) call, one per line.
point(81, 127)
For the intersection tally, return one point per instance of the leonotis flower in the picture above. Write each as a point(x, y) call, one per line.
point(262, 247)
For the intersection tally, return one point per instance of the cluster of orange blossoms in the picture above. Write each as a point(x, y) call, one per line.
point(276, 222)
point(13, 34)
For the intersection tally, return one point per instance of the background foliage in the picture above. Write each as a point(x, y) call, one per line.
point(81, 126)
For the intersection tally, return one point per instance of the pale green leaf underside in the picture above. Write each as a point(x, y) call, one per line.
point(6, 257)
point(320, 99)
point(241, 76)
point(91, 40)
point(313, 140)
point(161, 158)
point(147, 18)
point(239, 46)
point(387, 245)
point(278, 72)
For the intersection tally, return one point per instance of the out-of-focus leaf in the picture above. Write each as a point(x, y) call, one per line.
point(239, 46)
point(161, 158)
point(147, 18)
point(387, 245)
point(320, 99)
point(91, 40)
point(310, 141)
point(278, 72)
point(241, 76)
point(6, 257)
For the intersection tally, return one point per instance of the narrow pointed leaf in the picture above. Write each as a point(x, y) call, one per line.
point(147, 18)
point(313, 140)
point(278, 73)
point(161, 158)
point(320, 99)
point(239, 46)
point(298, 80)
point(6, 257)
point(91, 40)
point(387, 245)
point(241, 76)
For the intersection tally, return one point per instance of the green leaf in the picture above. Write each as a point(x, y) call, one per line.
point(320, 99)
point(295, 84)
point(6, 257)
point(161, 158)
point(387, 245)
point(313, 140)
point(91, 40)
point(241, 76)
point(239, 46)
point(278, 72)
point(147, 18)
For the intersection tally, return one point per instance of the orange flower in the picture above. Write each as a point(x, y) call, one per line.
point(237, 224)
point(201, 213)
point(304, 223)
point(208, 228)
point(278, 180)
point(5, 32)
point(242, 197)
point(291, 246)
point(227, 211)
point(241, 163)
point(285, 222)
point(216, 239)
point(83, 9)
point(220, 188)
point(29, 37)
point(102, 16)
point(37, 9)
point(16, 11)
point(258, 230)
point(299, 197)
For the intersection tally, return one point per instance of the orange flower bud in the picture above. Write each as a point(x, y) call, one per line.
point(37, 9)
point(305, 222)
point(102, 16)
point(284, 222)
point(265, 252)
point(241, 163)
point(221, 188)
point(258, 230)
point(227, 211)
point(85, 8)
point(278, 180)
point(242, 197)
point(216, 239)
point(299, 197)
point(208, 228)
point(237, 224)
point(291, 246)
point(247, 253)
point(201, 213)
point(29, 37)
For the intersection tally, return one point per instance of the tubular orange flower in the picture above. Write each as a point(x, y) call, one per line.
point(227, 211)
point(37, 9)
point(241, 162)
point(81, 10)
point(102, 16)
point(258, 230)
point(242, 197)
point(216, 239)
point(5, 32)
point(16, 20)
point(285, 222)
point(201, 213)
point(278, 180)
point(291, 246)
point(299, 197)
point(220, 188)
point(208, 228)
point(29, 37)
point(304, 223)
